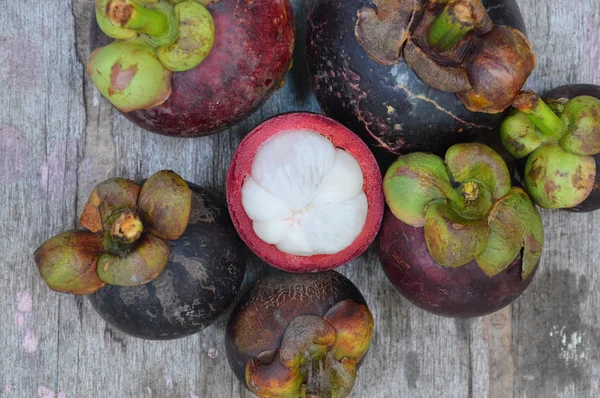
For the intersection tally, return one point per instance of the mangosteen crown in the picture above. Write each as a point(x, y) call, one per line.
point(153, 39)
point(452, 46)
point(559, 139)
point(126, 241)
point(318, 356)
point(467, 207)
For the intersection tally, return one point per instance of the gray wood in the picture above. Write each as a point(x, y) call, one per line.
point(58, 138)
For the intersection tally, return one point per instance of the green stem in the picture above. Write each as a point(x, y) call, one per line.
point(455, 21)
point(133, 15)
point(544, 119)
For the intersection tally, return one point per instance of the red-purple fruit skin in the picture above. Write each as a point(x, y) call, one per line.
point(592, 202)
point(276, 300)
point(461, 292)
point(253, 49)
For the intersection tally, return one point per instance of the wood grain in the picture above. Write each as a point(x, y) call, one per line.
point(58, 138)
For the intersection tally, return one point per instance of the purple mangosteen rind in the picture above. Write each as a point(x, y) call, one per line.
point(237, 48)
point(126, 242)
point(299, 335)
point(376, 93)
point(467, 208)
point(558, 139)
point(202, 277)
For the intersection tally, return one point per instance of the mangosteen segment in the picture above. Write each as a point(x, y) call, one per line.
point(153, 38)
point(452, 46)
point(316, 193)
point(560, 139)
point(127, 239)
point(464, 206)
point(67, 262)
point(304, 193)
point(299, 335)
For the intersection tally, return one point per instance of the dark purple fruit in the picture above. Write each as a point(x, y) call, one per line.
point(297, 335)
point(374, 68)
point(246, 50)
point(202, 277)
point(457, 239)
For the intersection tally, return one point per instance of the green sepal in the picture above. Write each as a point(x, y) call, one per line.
point(555, 178)
point(111, 30)
point(412, 182)
point(129, 75)
point(481, 163)
point(514, 224)
point(582, 116)
point(165, 204)
point(453, 240)
point(519, 135)
point(141, 265)
point(194, 41)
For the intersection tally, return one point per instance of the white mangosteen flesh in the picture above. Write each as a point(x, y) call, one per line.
point(304, 195)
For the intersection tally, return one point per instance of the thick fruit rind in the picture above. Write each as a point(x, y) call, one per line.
point(341, 137)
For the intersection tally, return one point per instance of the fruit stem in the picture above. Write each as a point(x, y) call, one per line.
point(540, 114)
point(470, 191)
point(131, 15)
point(127, 228)
point(455, 21)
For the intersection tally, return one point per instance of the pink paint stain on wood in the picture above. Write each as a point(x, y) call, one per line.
point(62, 395)
point(55, 166)
point(15, 150)
point(45, 392)
point(21, 61)
point(24, 301)
point(30, 341)
point(8, 388)
point(213, 353)
point(46, 33)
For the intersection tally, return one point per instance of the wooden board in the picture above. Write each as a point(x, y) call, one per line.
point(58, 138)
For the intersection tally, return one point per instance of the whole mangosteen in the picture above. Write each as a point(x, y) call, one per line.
point(412, 75)
point(457, 240)
point(160, 261)
point(299, 335)
point(304, 193)
point(559, 143)
point(189, 68)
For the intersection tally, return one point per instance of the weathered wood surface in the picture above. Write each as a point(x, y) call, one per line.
point(58, 138)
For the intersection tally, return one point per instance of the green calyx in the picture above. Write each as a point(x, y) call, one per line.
point(126, 242)
point(559, 138)
point(462, 202)
point(317, 357)
point(453, 23)
point(153, 39)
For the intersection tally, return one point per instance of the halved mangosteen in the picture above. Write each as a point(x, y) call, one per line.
point(299, 335)
point(457, 239)
point(304, 193)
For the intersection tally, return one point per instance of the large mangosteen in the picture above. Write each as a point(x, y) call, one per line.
point(457, 240)
point(160, 261)
point(558, 142)
point(190, 68)
point(417, 74)
point(299, 335)
point(304, 193)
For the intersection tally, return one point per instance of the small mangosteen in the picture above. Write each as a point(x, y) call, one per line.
point(299, 335)
point(304, 193)
point(189, 68)
point(160, 261)
point(457, 240)
point(417, 75)
point(559, 142)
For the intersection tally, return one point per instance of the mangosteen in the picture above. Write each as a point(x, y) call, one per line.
point(299, 335)
point(189, 68)
point(304, 193)
point(159, 261)
point(457, 239)
point(559, 144)
point(417, 74)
